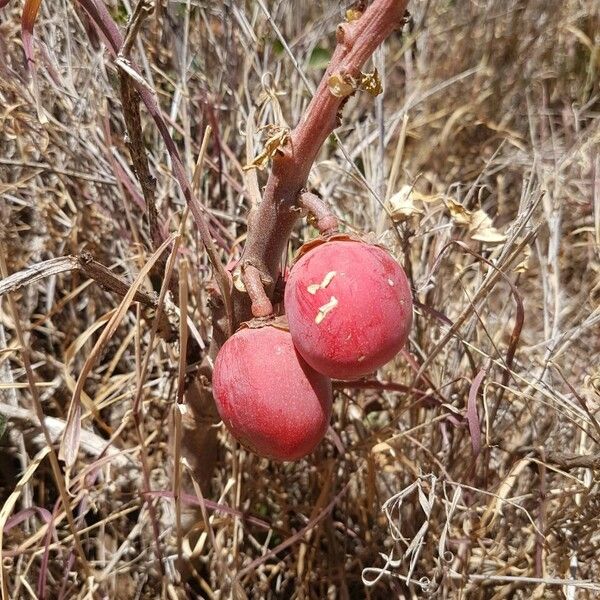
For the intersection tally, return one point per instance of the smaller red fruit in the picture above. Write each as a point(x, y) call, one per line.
point(268, 397)
point(349, 308)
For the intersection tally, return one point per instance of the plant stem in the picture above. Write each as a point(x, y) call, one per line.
point(270, 223)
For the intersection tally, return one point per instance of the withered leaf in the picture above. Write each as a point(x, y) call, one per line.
point(342, 85)
point(459, 214)
point(371, 83)
point(278, 140)
point(478, 222)
point(402, 204)
point(481, 229)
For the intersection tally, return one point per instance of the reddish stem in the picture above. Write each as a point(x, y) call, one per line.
point(261, 305)
point(326, 222)
point(271, 222)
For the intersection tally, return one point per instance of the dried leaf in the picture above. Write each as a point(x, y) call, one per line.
point(382, 447)
point(371, 83)
point(402, 204)
point(473, 415)
point(278, 140)
point(353, 14)
point(478, 222)
point(342, 86)
point(24, 514)
point(459, 214)
point(426, 197)
point(482, 230)
point(28, 18)
point(524, 264)
point(238, 283)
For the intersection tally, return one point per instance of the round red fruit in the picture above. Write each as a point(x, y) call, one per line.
point(349, 308)
point(268, 397)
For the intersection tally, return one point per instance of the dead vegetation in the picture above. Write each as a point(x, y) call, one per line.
point(467, 468)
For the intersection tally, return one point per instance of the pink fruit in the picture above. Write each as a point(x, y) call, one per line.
point(349, 308)
point(268, 397)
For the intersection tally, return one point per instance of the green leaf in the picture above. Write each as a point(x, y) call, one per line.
point(319, 58)
point(277, 47)
point(120, 15)
point(3, 423)
point(360, 165)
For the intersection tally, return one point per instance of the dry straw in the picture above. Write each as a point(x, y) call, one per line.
point(467, 468)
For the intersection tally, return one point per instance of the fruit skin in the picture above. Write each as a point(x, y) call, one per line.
point(349, 308)
point(268, 397)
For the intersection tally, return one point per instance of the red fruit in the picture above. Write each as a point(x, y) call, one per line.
point(349, 308)
point(267, 395)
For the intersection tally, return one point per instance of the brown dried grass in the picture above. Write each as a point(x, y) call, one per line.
point(486, 467)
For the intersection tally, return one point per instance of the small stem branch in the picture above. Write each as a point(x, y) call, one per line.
point(105, 23)
point(82, 262)
point(325, 221)
point(109, 281)
point(131, 114)
point(261, 305)
point(142, 9)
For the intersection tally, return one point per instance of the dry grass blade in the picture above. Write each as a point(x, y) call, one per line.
point(105, 23)
point(467, 467)
point(9, 506)
point(473, 415)
point(56, 472)
point(496, 273)
point(69, 446)
point(292, 539)
point(28, 18)
point(91, 443)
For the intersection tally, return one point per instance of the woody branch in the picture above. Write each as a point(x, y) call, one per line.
point(270, 223)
